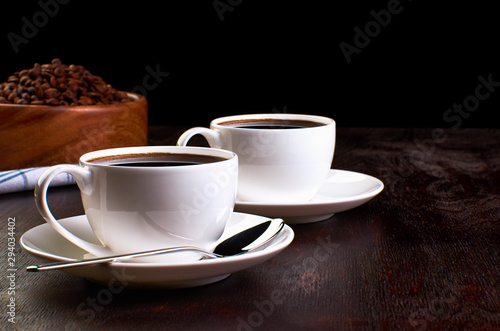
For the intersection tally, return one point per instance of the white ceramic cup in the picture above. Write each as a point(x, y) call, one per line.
point(134, 209)
point(275, 165)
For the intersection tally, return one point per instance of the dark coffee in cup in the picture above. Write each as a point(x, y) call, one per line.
point(156, 160)
point(271, 124)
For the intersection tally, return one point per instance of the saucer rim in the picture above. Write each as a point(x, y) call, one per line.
point(314, 211)
point(282, 241)
point(368, 194)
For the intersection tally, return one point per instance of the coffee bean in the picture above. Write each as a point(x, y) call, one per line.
point(39, 92)
point(73, 85)
point(85, 101)
point(53, 81)
point(101, 88)
point(52, 93)
point(46, 68)
point(11, 86)
point(35, 72)
point(32, 90)
point(58, 71)
point(69, 96)
point(13, 79)
point(52, 102)
point(24, 80)
point(12, 96)
point(58, 84)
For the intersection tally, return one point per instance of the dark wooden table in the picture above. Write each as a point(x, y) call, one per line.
point(424, 254)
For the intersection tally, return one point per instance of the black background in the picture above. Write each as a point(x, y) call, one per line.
point(274, 56)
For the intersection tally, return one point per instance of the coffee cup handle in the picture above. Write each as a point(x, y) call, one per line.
point(83, 178)
point(212, 136)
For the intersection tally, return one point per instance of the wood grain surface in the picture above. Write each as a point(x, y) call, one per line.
point(34, 136)
point(423, 255)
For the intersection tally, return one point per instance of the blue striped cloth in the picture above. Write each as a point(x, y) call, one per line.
point(25, 179)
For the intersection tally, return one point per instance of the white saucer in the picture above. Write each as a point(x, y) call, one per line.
point(341, 191)
point(45, 243)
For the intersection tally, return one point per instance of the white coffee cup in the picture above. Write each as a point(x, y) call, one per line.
point(137, 208)
point(276, 165)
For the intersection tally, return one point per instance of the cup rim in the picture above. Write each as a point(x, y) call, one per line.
point(217, 123)
point(86, 159)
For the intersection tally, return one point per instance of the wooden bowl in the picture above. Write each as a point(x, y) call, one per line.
point(34, 136)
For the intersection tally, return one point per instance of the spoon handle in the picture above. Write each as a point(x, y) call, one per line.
point(114, 258)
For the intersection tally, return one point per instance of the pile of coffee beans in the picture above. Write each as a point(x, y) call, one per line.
point(57, 84)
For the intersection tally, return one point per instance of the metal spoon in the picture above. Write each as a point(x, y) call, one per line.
point(235, 245)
